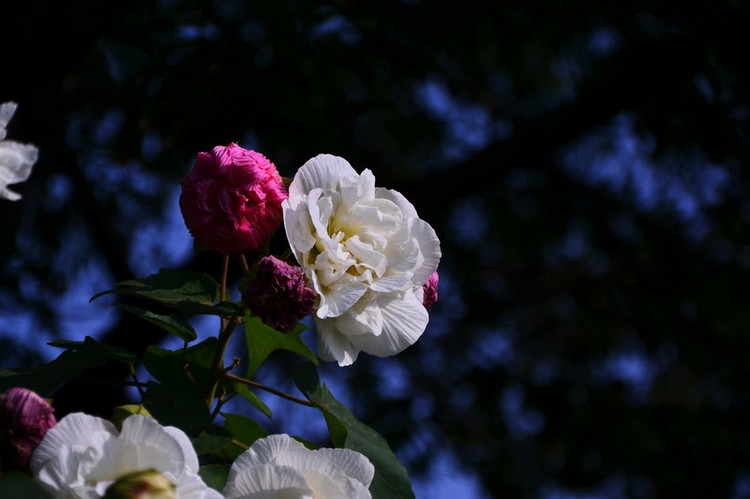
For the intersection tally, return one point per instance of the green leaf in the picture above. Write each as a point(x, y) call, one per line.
point(214, 475)
point(222, 309)
point(123, 412)
point(103, 350)
point(262, 339)
point(15, 484)
point(251, 397)
point(177, 405)
point(212, 439)
point(245, 431)
point(171, 323)
point(391, 479)
point(188, 368)
point(46, 378)
point(172, 288)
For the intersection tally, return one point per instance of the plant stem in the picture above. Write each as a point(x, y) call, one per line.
point(217, 367)
point(276, 392)
point(223, 289)
point(243, 262)
point(225, 333)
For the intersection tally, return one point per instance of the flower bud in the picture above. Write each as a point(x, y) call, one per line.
point(430, 291)
point(278, 295)
point(25, 418)
point(146, 484)
point(231, 200)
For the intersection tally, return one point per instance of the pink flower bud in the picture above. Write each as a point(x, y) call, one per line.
point(278, 295)
point(25, 418)
point(231, 200)
point(430, 291)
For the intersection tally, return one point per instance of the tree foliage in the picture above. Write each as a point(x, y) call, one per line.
point(583, 166)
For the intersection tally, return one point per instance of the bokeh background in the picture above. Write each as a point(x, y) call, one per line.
point(584, 164)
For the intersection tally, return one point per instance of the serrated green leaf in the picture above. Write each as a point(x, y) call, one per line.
point(46, 378)
point(171, 323)
point(103, 350)
point(251, 397)
point(262, 340)
point(214, 475)
point(391, 479)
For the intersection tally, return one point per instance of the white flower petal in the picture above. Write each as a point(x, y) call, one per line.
point(360, 320)
point(268, 481)
point(69, 433)
point(352, 463)
point(397, 198)
point(16, 159)
point(279, 466)
point(6, 113)
point(323, 171)
point(429, 244)
point(361, 246)
point(404, 321)
point(332, 345)
point(339, 298)
point(82, 455)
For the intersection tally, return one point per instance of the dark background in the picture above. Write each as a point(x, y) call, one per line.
point(584, 164)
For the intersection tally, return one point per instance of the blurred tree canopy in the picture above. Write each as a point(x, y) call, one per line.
point(584, 166)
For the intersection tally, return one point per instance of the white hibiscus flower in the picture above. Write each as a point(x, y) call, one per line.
point(16, 159)
point(82, 455)
point(366, 253)
point(279, 466)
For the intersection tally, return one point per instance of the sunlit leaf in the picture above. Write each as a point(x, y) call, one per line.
point(262, 340)
point(121, 413)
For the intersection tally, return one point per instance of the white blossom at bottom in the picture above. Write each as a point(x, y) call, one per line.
point(280, 467)
point(82, 455)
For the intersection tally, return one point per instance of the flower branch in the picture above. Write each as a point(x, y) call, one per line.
point(237, 379)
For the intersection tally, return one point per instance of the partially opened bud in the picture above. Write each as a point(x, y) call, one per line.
point(146, 484)
point(231, 200)
point(25, 418)
point(430, 291)
point(278, 295)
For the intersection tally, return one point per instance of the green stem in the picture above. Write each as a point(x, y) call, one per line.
point(217, 368)
point(225, 333)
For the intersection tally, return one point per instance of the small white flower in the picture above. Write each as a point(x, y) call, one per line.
point(278, 466)
point(82, 455)
point(366, 253)
point(16, 159)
